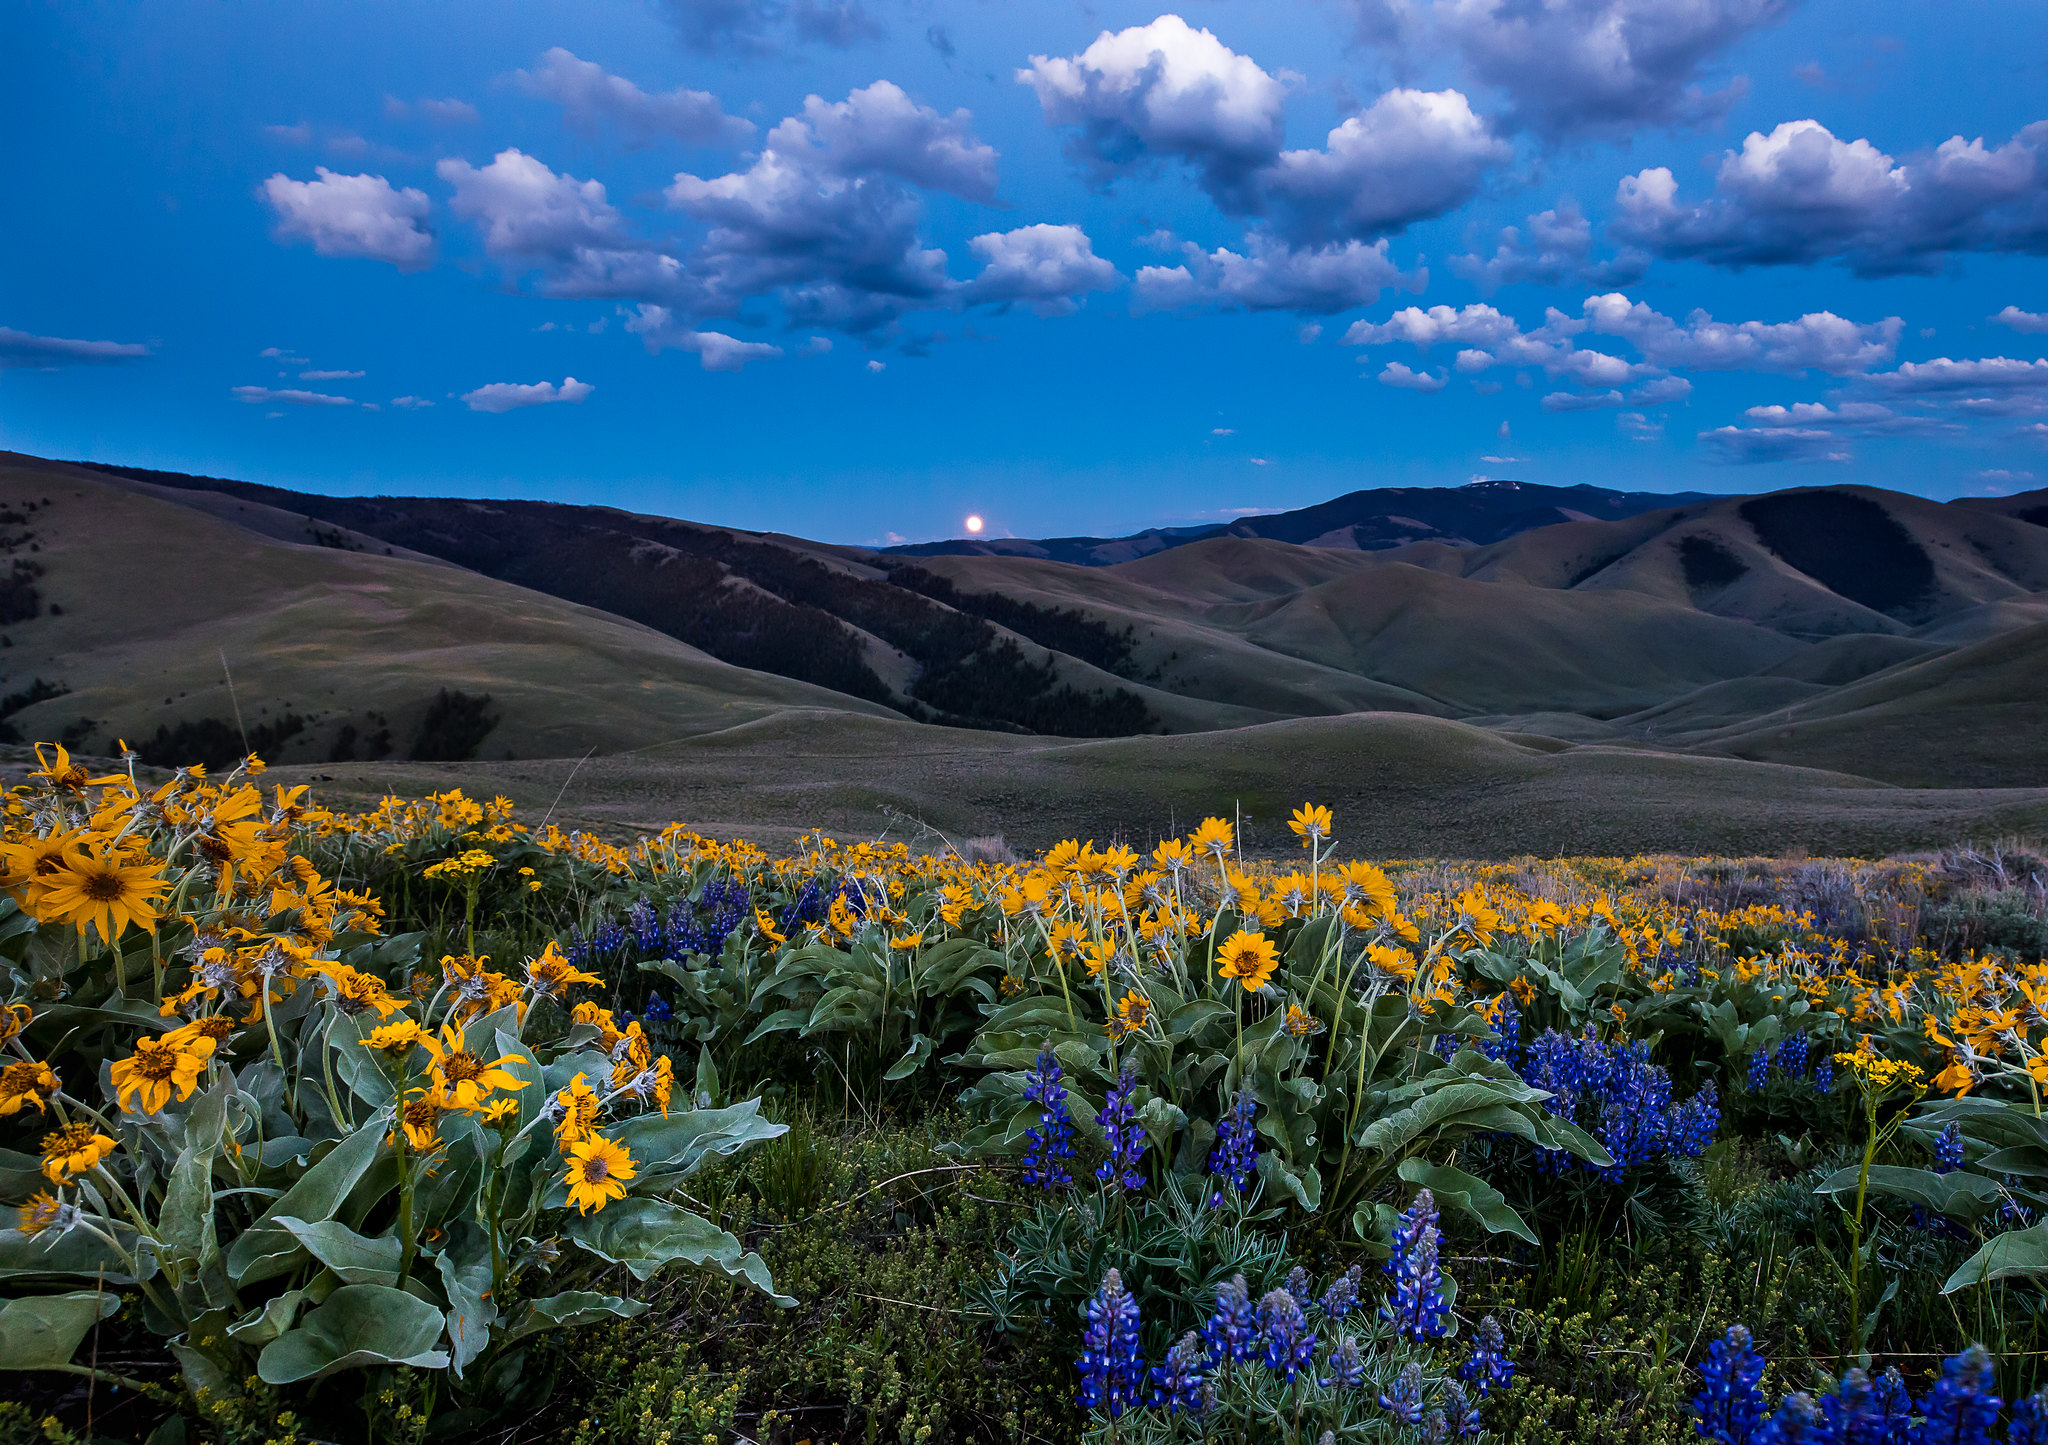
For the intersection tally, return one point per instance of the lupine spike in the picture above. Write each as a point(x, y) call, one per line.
point(1112, 1362)
point(1416, 1307)
point(1729, 1407)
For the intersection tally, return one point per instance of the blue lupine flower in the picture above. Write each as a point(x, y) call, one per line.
point(1962, 1408)
point(1296, 1282)
point(1489, 1367)
point(1403, 1399)
point(2029, 1421)
point(1416, 1306)
point(1625, 1099)
point(1693, 1123)
point(1177, 1384)
point(1798, 1422)
point(1729, 1408)
point(1948, 1149)
point(1347, 1366)
point(1436, 1427)
point(1793, 1055)
point(1864, 1411)
point(1759, 1068)
point(1052, 1139)
point(645, 924)
point(1112, 1362)
point(1236, 1153)
point(1507, 1024)
point(1459, 1412)
point(658, 1009)
point(1824, 1077)
point(1232, 1332)
point(1122, 1132)
point(1341, 1298)
point(1288, 1344)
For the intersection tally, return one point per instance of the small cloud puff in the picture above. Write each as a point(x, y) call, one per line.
point(504, 396)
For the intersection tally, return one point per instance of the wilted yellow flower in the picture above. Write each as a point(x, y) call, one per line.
point(26, 1083)
point(72, 1151)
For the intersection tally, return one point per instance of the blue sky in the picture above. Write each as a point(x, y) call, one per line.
point(858, 268)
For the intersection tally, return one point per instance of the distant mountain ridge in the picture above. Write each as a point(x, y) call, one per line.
point(1371, 520)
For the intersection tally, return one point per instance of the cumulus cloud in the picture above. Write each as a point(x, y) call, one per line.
point(263, 395)
point(2033, 323)
point(658, 330)
point(763, 27)
point(1985, 374)
point(1577, 68)
point(1269, 276)
point(1048, 267)
point(1410, 155)
point(823, 216)
point(1164, 91)
point(23, 351)
point(503, 396)
point(1801, 195)
point(1819, 340)
point(1865, 418)
point(1659, 391)
point(1557, 250)
point(1395, 374)
point(591, 98)
point(1742, 446)
point(352, 216)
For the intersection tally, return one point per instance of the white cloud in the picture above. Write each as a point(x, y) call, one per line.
point(590, 97)
point(504, 396)
point(527, 211)
point(1273, 277)
point(878, 366)
point(1997, 479)
point(1410, 155)
point(658, 329)
point(1222, 431)
point(1164, 90)
point(815, 346)
point(1307, 332)
point(1639, 428)
point(410, 403)
point(329, 375)
point(757, 27)
point(264, 395)
point(2033, 323)
point(22, 351)
point(352, 216)
point(1557, 251)
point(440, 112)
point(1740, 446)
point(1819, 339)
point(1801, 195)
point(1046, 266)
point(1395, 374)
point(282, 353)
point(1863, 418)
point(1603, 67)
point(879, 130)
point(1659, 391)
point(1988, 373)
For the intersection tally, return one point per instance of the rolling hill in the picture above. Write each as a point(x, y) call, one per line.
point(1880, 639)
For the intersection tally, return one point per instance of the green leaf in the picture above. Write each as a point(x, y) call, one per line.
point(1960, 1195)
point(360, 1325)
point(646, 1235)
point(79, 1252)
point(1469, 1195)
point(260, 1326)
point(355, 1259)
point(465, 1268)
point(266, 1249)
point(707, 1091)
point(571, 1308)
point(913, 1058)
point(185, 1223)
point(672, 1148)
point(44, 1330)
point(1441, 1109)
point(2018, 1252)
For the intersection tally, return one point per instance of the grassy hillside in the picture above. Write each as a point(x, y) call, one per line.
point(1402, 786)
point(132, 602)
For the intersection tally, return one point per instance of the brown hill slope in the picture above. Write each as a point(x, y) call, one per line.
point(128, 603)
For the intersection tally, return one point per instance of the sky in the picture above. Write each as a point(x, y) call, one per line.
point(857, 269)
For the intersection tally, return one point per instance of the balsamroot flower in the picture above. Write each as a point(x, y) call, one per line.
point(73, 1150)
point(1250, 958)
point(159, 1069)
point(25, 1084)
point(1112, 1363)
point(465, 1077)
point(102, 886)
point(599, 1169)
point(575, 1111)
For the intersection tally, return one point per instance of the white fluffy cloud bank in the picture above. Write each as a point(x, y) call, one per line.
point(357, 216)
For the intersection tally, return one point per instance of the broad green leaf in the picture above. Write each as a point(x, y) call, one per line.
point(676, 1146)
point(1458, 1190)
point(185, 1223)
point(355, 1259)
point(79, 1252)
point(465, 1268)
point(1440, 1109)
point(2021, 1253)
point(360, 1325)
point(570, 1308)
point(260, 1326)
point(1960, 1195)
point(44, 1330)
point(645, 1235)
point(913, 1058)
point(265, 1249)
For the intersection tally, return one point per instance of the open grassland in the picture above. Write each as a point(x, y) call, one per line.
point(1408, 786)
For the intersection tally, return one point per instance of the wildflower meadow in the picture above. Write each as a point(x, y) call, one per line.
point(428, 1123)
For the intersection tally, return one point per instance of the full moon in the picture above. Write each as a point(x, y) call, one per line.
point(974, 524)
